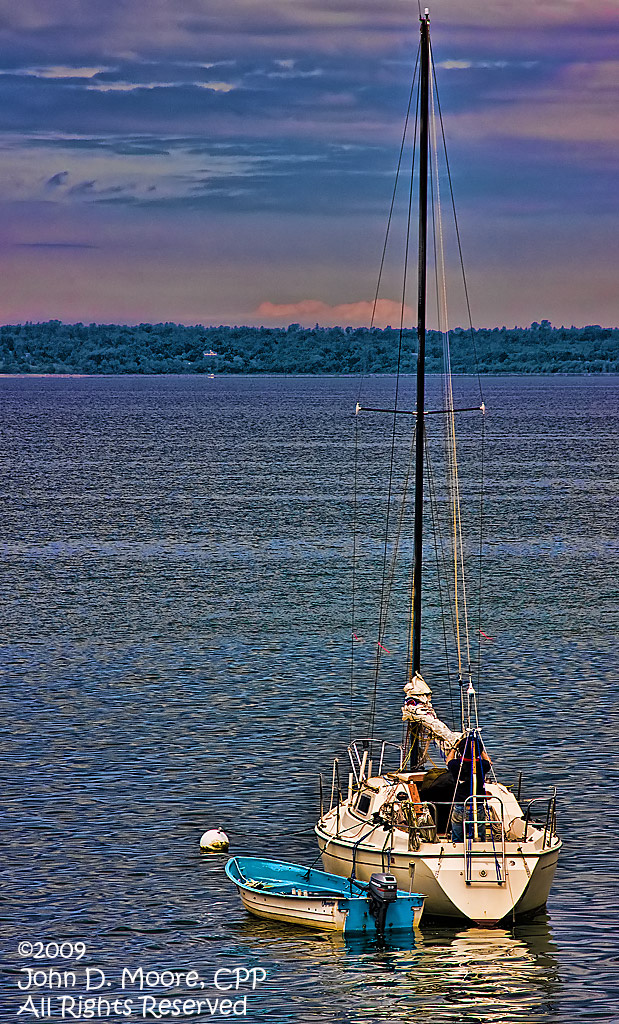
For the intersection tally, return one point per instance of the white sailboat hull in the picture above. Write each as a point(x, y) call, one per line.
point(438, 872)
point(484, 881)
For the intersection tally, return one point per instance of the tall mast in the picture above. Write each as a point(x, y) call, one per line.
point(421, 334)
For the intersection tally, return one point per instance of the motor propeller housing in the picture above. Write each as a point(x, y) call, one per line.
point(382, 890)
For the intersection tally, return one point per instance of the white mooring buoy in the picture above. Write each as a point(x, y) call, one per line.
point(215, 840)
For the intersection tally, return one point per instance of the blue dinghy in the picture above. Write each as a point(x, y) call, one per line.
point(293, 894)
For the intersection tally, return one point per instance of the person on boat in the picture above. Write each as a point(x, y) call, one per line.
point(437, 788)
point(468, 763)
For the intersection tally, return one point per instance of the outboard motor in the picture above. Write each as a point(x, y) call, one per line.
point(382, 890)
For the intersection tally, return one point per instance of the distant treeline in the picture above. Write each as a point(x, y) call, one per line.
point(55, 347)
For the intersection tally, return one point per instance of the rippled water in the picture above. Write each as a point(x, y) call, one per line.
point(176, 615)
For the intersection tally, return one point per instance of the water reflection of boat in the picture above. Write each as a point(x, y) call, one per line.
point(482, 975)
point(454, 832)
point(493, 976)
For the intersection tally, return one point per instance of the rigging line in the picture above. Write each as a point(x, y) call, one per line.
point(441, 547)
point(437, 541)
point(382, 614)
point(354, 577)
point(393, 198)
point(441, 311)
point(481, 545)
point(453, 503)
point(471, 697)
point(396, 547)
point(461, 548)
point(400, 522)
point(414, 437)
point(441, 316)
point(458, 542)
point(457, 228)
point(409, 639)
point(398, 532)
point(267, 835)
point(435, 263)
point(441, 304)
point(342, 832)
point(449, 423)
point(388, 580)
point(453, 799)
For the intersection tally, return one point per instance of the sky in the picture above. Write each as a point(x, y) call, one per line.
point(232, 161)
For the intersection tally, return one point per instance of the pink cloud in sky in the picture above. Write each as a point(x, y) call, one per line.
point(349, 314)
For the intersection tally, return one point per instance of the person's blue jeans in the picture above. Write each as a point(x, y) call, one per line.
point(457, 822)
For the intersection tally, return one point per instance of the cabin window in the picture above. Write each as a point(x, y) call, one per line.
point(363, 803)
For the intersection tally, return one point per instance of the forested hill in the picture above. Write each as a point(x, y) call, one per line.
point(55, 347)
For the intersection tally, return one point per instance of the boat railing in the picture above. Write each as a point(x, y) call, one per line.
point(550, 824)
point(480, 817)
point(336, 793)
point(483, 812)
point(362, 754)
point(336, 789)
point(422, 828)
point(480, 814)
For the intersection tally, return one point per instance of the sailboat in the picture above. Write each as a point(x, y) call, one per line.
point(448, 828)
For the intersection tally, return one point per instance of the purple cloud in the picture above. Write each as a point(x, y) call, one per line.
point(57, 180)
point(228, 114)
